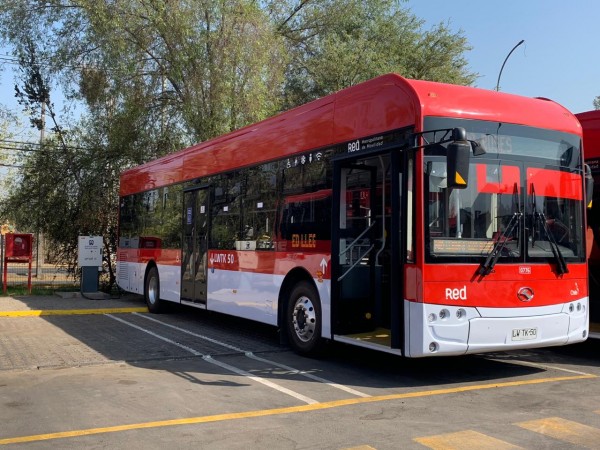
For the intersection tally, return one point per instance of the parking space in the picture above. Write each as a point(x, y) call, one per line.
point(89, 372)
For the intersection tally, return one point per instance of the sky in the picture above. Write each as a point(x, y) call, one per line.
point(559, 60)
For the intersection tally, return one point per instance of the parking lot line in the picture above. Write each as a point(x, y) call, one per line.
point(71, 312)
point(251, 355)
point(465, 440)
point(565, 430)
point(223, 365)
point(287, 410)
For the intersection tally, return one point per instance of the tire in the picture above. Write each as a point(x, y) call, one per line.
point(303, 319)
point(152, 291)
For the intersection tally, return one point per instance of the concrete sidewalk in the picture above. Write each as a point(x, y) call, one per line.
point(68, 301)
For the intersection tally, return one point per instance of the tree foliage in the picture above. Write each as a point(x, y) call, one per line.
point(150, 76)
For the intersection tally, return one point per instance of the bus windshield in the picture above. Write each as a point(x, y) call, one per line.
point(523, 202)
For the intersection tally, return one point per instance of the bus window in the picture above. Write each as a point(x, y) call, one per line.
point(225, 218)
point(306, 219)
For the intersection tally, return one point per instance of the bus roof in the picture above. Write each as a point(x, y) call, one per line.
point(385, 103)
point(590, 123)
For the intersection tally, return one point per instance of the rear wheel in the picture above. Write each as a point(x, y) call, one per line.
point(303, 318)
point(152, 291)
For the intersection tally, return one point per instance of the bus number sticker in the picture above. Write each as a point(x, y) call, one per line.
point(222, 258)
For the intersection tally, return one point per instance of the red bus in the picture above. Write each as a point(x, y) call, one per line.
point(590, 123)
point(412, 217)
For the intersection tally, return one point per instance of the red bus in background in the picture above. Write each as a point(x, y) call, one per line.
point(590, 123)
point(410, 217)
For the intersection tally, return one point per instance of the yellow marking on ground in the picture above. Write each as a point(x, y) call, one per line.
point(565, 430)
point(360, 447)
point(464, 440)
point(288, 410)
point(70, 312)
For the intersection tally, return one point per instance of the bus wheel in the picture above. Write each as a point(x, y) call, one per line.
point(303, 319)
point(152, 291)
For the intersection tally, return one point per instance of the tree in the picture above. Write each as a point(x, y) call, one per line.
point(150, 76)
point(6, 136)
point(339, 43)
point(597, 102)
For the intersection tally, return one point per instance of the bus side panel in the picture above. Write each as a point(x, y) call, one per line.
point(244, 294)
point(255, 296)
point(130, 278)
point(248, 284)
point(170, 284)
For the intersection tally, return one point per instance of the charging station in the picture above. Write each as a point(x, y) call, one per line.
point(90, 262)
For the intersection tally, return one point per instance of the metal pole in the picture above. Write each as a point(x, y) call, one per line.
point(506, 59)
point(2, 253)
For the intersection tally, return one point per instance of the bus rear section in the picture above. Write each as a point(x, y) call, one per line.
point(590, 124)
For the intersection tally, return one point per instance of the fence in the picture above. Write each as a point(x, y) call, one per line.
point(45, 276)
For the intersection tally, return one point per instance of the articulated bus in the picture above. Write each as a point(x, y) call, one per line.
point(590, 123)
point(411, 217)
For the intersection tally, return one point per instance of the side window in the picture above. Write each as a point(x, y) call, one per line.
point(151, 208)
point(127, 222)
point(225, 219)
point(171, 202)
point(306, 217)
point(259, 207)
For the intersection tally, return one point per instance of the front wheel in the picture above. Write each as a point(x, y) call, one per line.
point(152, 291)
point(303, 319)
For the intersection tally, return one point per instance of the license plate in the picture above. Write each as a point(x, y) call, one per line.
point(524, 334)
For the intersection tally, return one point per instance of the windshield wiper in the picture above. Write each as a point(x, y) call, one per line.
point(492, 258)
point(540, 219)
point(515, 220)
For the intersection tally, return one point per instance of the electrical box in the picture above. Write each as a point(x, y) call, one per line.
point(19, 245)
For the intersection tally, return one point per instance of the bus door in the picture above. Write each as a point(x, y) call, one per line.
point(195, 245)
point(360, 250)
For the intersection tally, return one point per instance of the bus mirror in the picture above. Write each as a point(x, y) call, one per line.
point(458, 156)
point(478, 149)
point(589, 186)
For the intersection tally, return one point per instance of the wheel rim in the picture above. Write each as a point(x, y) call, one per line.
point(152, 290)
point(304, 319)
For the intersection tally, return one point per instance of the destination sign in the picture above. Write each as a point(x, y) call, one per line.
point(462, 246)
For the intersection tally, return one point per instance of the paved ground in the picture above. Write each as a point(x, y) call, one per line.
point(66, 301)
point(41, 343)
point(79, 373)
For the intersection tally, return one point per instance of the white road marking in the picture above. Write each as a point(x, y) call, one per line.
point(531, 364)
point(229, 367)
point(258, 358)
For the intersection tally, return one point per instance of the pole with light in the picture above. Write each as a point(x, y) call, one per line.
point(506, 59)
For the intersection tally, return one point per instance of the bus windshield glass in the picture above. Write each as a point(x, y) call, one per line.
point(523, 201)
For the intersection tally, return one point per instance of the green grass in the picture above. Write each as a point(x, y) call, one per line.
point(40, 290)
